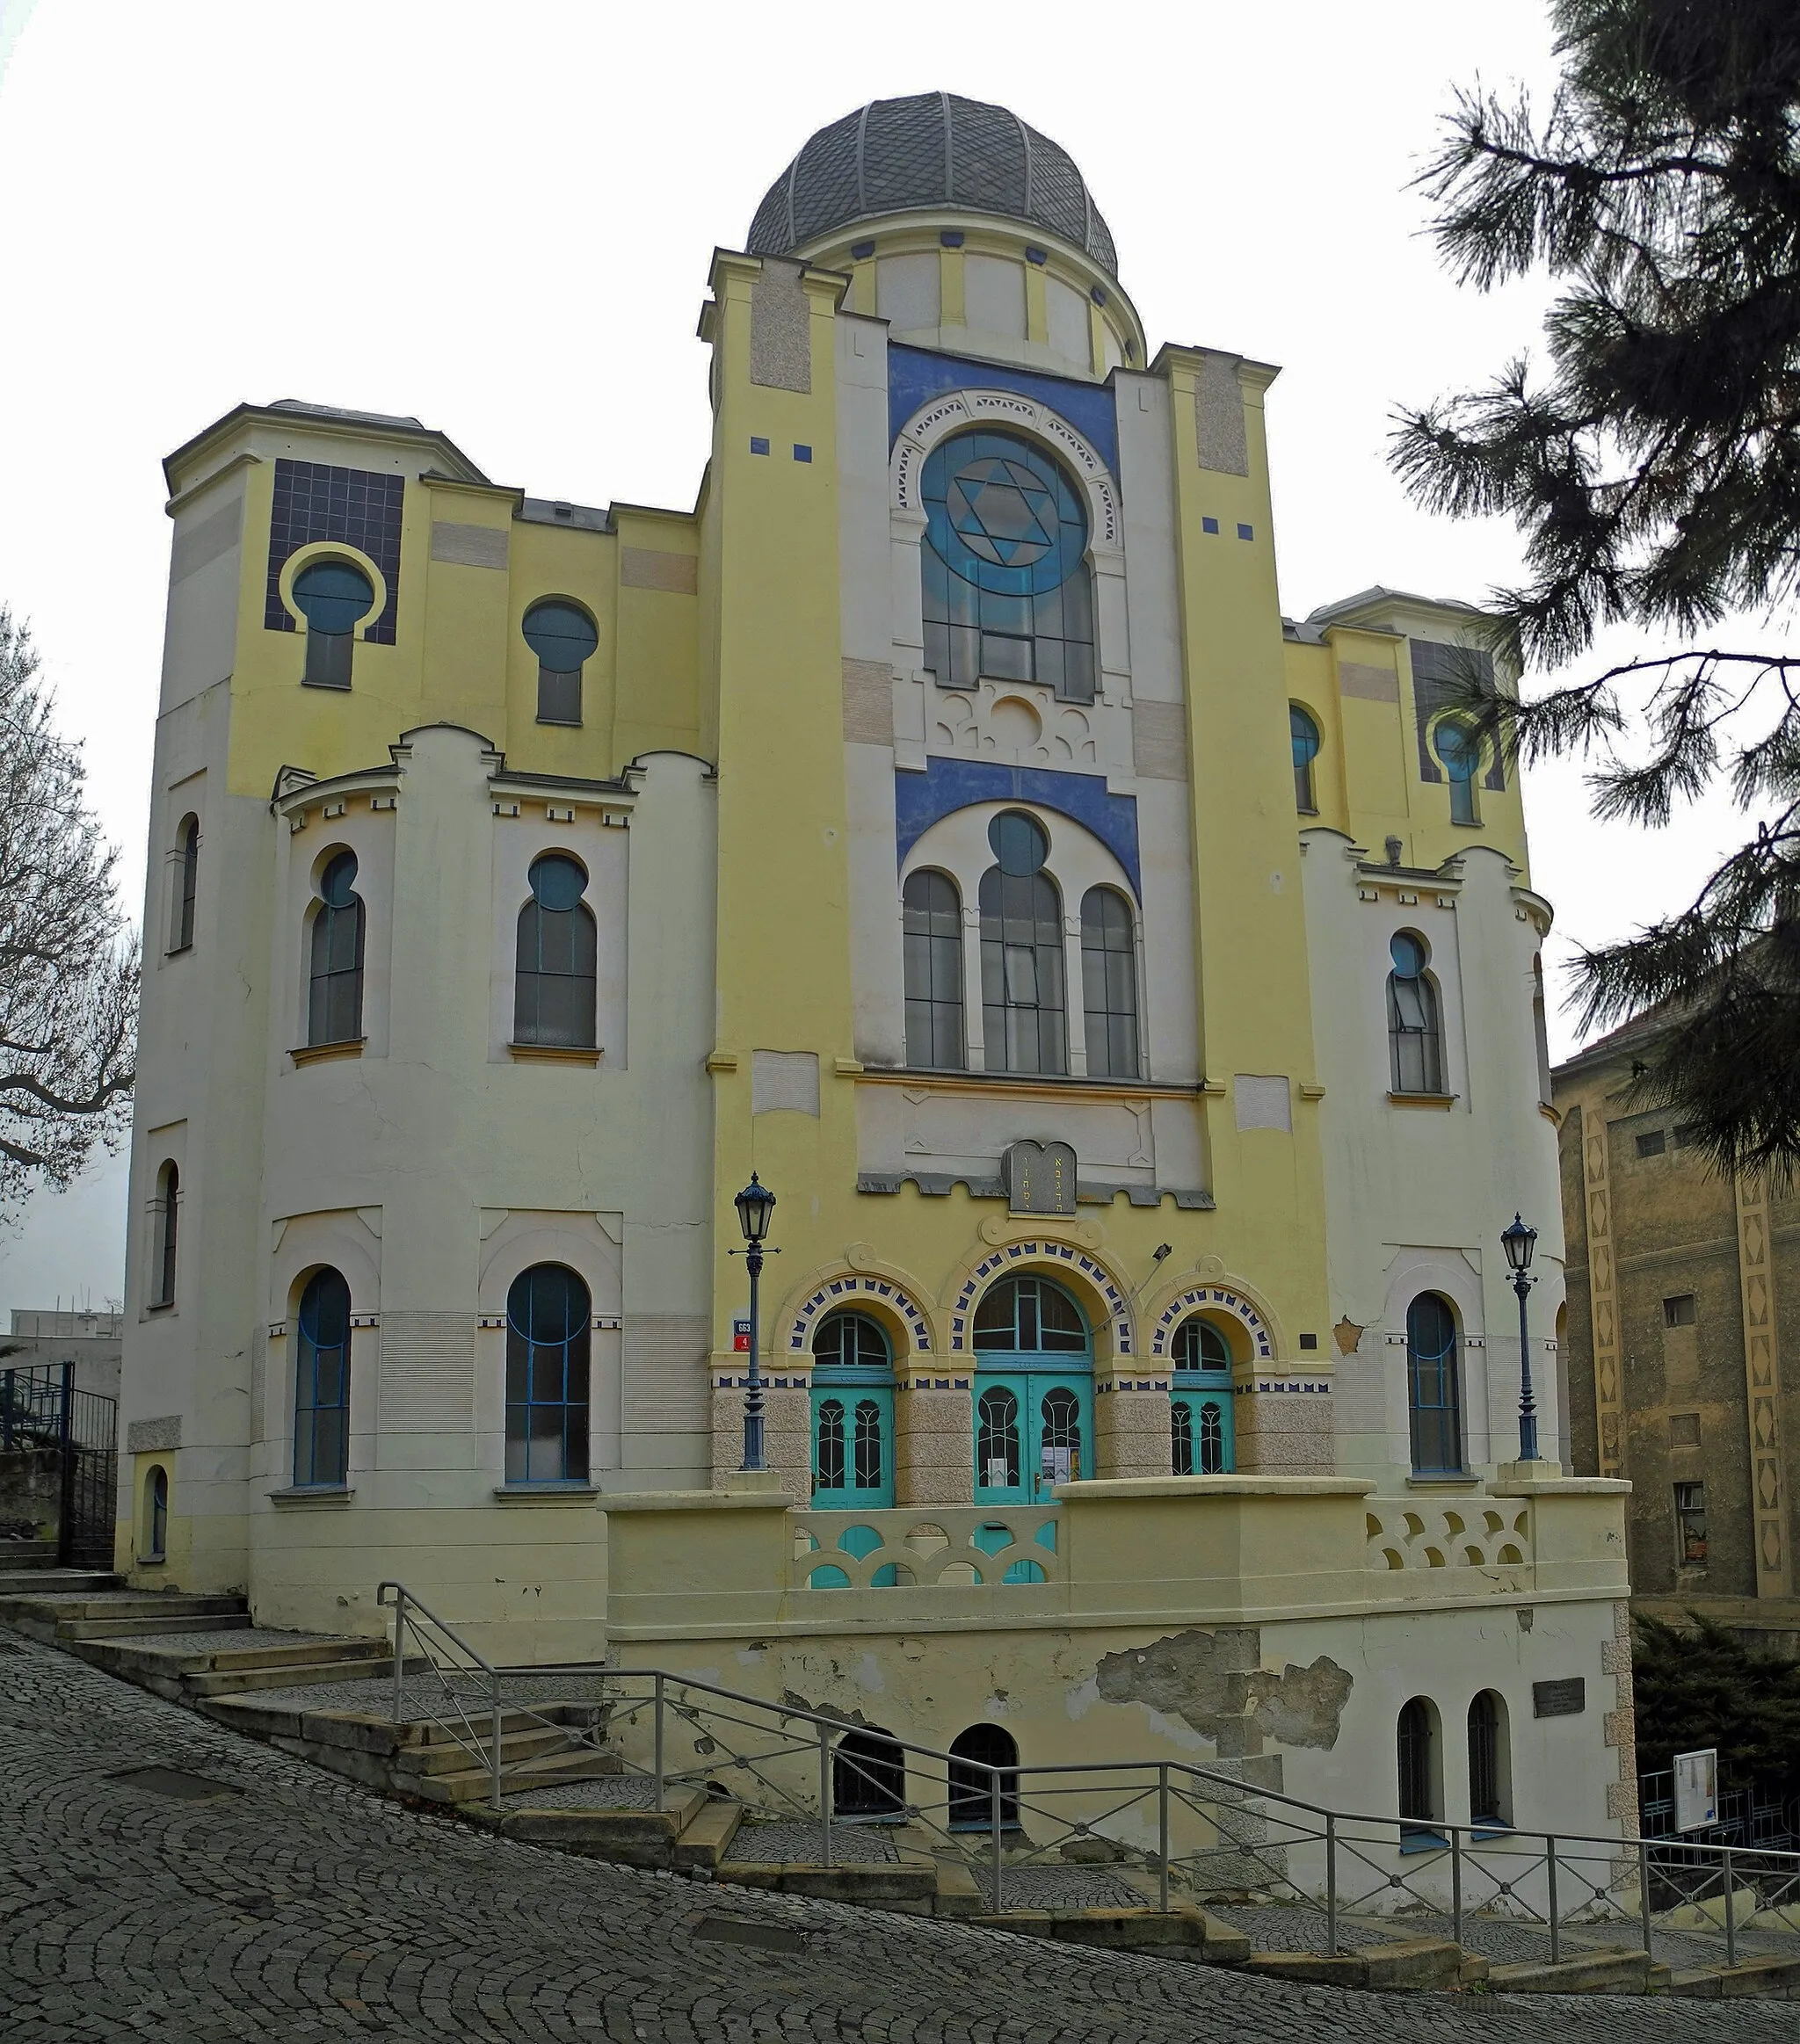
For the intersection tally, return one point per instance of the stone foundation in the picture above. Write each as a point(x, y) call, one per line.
point(933, 1445)
point(1283, 1429)
point(1131, 1433)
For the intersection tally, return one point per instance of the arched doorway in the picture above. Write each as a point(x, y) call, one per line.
point(1033, 1402)
point(869, 1776)
point(1199, 1399)
point(988, 1747)
point(852, 1415)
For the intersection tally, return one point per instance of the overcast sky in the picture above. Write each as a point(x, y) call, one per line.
point(498, 219)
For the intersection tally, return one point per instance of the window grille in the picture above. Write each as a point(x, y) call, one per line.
point(322, 1383)
point(1431, 1386)
point(1021, 953)
point(548, 1314)
point(1109, 984)
point(931, 926)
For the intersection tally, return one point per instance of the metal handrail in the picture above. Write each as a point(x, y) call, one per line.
point(1170, 1780)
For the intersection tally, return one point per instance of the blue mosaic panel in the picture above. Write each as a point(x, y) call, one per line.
point(357, 507)
point(920, 798)
point(915, 375)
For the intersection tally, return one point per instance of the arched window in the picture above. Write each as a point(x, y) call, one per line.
point(334, 597)
point(1029, 1316)
point(553, 997)
point(868, 1775)
point(852, 1341)
point(1304, 734)
point(1432, 1392)
point(1109, 984)
point(187, 874)
point(156, 1514)
point(1021, 952)
point(1008, 593)
point(1417, 1763)
point(1459, 747)
point(1488, 1786)
point(322, 1383)
point(168, 1226)
point(334, 1006)
point(563, 636)
point(1415, 1041)
point(1201, 1343)
point(982, 1751)
point(547, 1317)
point(932, 927)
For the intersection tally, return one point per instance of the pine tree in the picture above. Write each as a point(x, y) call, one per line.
point(1700, 1687)
point(1654, 471)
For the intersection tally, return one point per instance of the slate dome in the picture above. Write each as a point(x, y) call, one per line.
point(933, 151)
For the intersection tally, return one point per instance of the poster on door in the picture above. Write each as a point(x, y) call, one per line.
point(1058, 1465)
point(998, 1477)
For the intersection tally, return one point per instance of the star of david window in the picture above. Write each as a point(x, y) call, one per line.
point(1008, 595)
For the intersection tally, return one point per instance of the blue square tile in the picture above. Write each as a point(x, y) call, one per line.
point(1247, 533)
point(801, 454)
point(758, 445)
point(1208, 524)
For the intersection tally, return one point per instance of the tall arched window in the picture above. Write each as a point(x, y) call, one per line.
point(1415, 1039)
point(548, 1316)
point(168, 1226)
point(1459, 747)
point(994, 1753)
point(1199, 1399)
point(334, 1006)
point(321, 1383)
point(553, 998)
point(334, 597)
point(1304, 734)
point(1021, 953)
point(1489, 1795)
point(187, 874)
point(931, 926)
point(1416, 1760)
point(1008, 593)
point(563, 636)
point(1433, 1399)
point(156, 1514)
point(1109, 984)
point(868, 1775)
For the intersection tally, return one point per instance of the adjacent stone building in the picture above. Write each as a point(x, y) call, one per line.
point(1679, 1283)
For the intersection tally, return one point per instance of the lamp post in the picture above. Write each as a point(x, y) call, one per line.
point(754, 1204)
point(1519, 1240)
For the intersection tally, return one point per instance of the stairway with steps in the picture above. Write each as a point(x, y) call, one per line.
point(330, 1700)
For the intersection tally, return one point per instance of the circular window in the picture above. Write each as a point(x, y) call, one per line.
point(561, 636)
point(1018, 842)
point(1408, 954)
point(557, 880)
point(1459, 748)
point(338, 881)
point(1002, 515)
point(334, 597)
point(1304, 733)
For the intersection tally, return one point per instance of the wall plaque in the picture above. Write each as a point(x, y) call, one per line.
point(1565, 1698)
point(1040, 1177)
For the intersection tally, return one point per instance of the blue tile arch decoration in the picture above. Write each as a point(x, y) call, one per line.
point(1217, 1295)
point(845, 1291)
point(915, 376)
point(948, 784)
point(1118, 1308)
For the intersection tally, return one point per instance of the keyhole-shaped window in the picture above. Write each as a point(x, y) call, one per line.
point(334, 597)
point(554, 987)
point(334, 1006)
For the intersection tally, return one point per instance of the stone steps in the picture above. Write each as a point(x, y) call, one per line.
point(1588, 1972)
point(124, 1629)
point(1187, 1932)
point(472, 1783)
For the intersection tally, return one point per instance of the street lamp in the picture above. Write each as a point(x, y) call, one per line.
point(754, 1204)
point(1519, 1240)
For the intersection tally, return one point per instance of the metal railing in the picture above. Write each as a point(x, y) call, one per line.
point(1162, 1826)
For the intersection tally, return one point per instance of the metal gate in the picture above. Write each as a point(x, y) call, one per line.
point(40, 1408)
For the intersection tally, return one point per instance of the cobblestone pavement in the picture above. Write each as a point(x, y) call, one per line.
point(291, 1905)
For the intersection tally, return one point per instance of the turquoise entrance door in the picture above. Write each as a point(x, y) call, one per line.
point(1033, 1395)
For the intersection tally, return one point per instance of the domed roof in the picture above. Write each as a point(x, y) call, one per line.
point(930, 151)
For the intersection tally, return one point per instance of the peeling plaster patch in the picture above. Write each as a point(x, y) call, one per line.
point(1212, 1682)
point(1176, 1731)
point(868, 1675)
point(1081, 1699)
